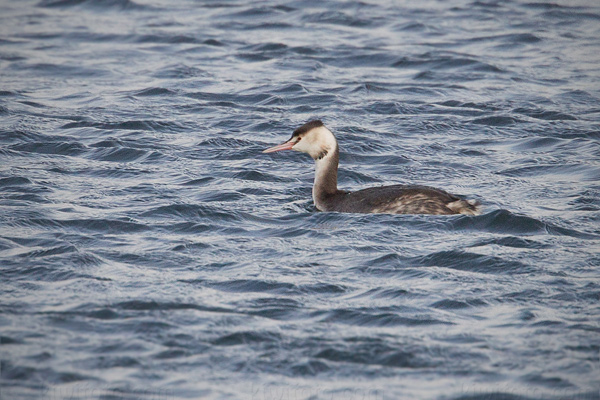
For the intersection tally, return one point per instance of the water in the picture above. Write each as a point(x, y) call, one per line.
point(148, 249)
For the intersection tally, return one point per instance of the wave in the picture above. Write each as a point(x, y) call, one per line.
point(96, 4)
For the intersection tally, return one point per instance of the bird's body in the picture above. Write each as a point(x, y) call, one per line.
point(397, 199)
point(318, 141)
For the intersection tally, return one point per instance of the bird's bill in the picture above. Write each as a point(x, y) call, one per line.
point(283, 146)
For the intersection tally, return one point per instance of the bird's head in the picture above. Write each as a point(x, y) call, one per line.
point(312, 138)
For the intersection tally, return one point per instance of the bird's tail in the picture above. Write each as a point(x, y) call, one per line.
point(467, 207)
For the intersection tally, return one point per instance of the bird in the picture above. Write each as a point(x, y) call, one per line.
point(321, 144)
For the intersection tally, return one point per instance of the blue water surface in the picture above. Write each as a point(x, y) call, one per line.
point(149, 250)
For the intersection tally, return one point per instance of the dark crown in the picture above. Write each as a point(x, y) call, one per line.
point(307, 127)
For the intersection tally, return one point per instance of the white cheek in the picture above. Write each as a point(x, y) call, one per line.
point(301, 146)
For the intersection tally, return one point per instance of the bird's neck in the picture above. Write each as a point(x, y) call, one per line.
point(325, 177)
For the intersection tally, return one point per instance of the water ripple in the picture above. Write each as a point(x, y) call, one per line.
point(150, 250)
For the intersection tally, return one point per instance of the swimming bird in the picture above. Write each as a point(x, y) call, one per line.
point(319, 142)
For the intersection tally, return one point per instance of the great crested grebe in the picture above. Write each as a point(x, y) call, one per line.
point(317, 141)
